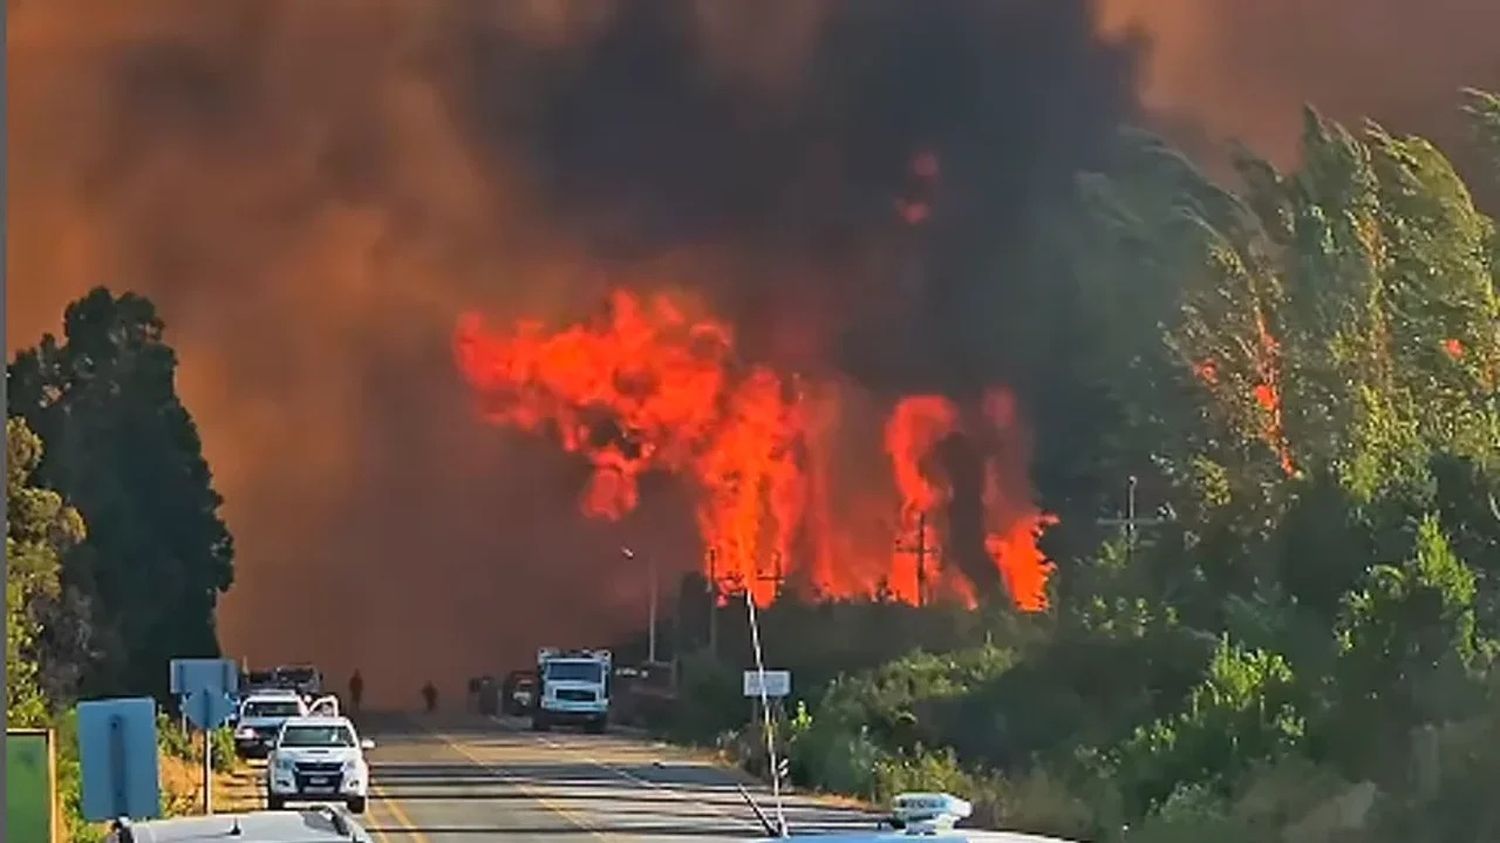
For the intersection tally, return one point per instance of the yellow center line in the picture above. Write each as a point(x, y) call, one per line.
point(400, 816)
point(572, 818)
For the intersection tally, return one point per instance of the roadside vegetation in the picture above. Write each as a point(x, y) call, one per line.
point(115, 552)
point(1304, 376)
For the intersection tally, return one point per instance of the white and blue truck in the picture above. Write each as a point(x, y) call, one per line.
point(573, 688)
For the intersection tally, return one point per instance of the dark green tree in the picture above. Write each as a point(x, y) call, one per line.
point(123, 449)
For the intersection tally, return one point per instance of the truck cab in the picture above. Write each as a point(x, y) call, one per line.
point(305, 679)
point(518, 693)
point(573, 687)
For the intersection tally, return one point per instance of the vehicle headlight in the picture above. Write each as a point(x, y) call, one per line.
point(353, 765)
point(244, 732)
point(282, 765)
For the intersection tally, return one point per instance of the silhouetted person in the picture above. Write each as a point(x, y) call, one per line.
point(429, 695)
point(356, 689)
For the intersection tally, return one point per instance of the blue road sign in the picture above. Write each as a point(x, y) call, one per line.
point(218, 675)
point(117, 753)
point(207, 709)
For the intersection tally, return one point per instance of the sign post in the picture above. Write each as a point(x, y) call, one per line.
point(205, 689)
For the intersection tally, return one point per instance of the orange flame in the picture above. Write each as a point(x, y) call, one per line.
point(915, 428)
point(645, 387)
point(1208, 372)
point(1268, 393)
point(1012, 531)
point(917, 425)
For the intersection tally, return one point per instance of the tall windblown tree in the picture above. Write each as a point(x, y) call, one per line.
point(1308, 372)
point(123, 449)
point(40, 528)
point(1326, 337)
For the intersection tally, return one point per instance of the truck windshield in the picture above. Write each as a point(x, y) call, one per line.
point(272, 708)
point(574, 671)
point(317, 736)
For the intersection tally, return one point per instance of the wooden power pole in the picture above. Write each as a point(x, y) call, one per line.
point(921, 550)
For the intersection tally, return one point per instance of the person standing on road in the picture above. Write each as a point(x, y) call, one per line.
point(356, 689)
point(429, 696)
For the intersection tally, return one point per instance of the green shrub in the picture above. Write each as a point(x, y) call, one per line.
point(187, 744)
point(835, 760)
point(70, 783)
point(1039, 802)
point(1193, 813)
point(172, 740)
point(911, 701)
point(1242, 712)
point(922, 769)
point(225, 758)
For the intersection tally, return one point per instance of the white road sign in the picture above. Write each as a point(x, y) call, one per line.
point(778, 683)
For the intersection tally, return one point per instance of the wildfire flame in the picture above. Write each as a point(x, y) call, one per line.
point(1268, 393)
point(647, 387)
point(1265, 390)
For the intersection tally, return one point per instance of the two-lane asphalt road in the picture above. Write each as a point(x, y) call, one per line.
point(471, 779)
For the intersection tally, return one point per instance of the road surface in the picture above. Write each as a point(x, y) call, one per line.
point(443, 780)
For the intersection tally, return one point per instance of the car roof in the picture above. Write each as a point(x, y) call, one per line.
point(274, 694)
point(319, 720)
point(956, 836)
point(309, 826)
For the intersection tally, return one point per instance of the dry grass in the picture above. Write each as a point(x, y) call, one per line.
point(182, 788)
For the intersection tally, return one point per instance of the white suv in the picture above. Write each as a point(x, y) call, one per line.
point(318, 759)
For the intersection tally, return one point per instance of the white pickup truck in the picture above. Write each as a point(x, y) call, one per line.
point(318, 759)
point(260, 717)
point(262, 713)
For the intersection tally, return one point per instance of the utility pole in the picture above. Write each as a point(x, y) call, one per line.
point(1131, 524)
point(776, 575)
point(921, 549)
point(713, 602)
point(651, 575)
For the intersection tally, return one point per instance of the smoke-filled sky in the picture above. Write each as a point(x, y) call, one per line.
point(312, 193)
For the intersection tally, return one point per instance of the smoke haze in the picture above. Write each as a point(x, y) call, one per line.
point(312, 192)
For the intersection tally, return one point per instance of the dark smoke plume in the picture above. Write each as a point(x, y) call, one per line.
point(311, 192)
point(640, 144)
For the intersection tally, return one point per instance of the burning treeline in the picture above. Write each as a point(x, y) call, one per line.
point(650, 386)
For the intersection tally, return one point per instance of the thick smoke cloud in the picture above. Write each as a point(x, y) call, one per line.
point(312, 191)
point(639, 141)
point(1241, 70)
